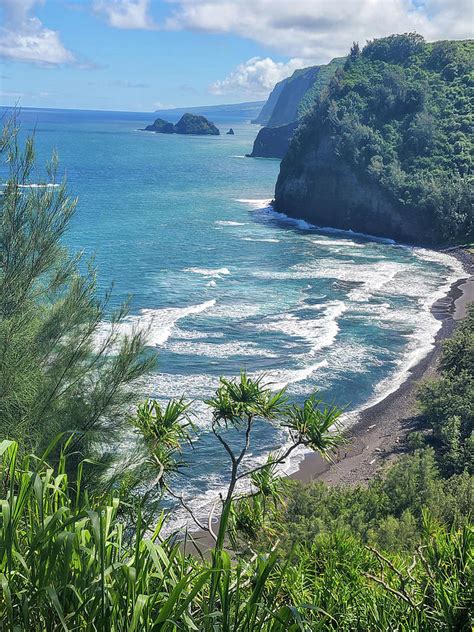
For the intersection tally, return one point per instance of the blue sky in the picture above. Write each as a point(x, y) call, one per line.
point(143, 55)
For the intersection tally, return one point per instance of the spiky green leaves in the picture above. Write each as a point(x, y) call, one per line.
point(315, 425)
point(237, 400)
point(164, 430)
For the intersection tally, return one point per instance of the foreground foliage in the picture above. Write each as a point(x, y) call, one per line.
point(59, 369)
point(70, 562)
point(448, 402)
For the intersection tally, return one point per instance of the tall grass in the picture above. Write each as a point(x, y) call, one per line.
point(68, 562)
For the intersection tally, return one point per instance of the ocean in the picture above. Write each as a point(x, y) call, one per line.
point(222, 283)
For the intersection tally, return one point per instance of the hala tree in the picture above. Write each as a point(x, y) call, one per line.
point(56, 373)
point(238, 404)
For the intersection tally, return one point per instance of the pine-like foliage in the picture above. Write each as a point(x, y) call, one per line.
point(56, 373)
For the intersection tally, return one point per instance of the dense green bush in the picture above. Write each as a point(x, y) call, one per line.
point(448, 401)
point(69, 561)
point(387, 513)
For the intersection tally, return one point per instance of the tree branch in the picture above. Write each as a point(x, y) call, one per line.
point(278, 460)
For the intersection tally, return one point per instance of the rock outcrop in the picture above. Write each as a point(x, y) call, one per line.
point(196, 125)
point(230, 132)
point(273, 142)
point(193, 124)
point(160, 126)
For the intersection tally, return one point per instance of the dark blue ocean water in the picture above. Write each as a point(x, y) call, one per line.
point(222, 283)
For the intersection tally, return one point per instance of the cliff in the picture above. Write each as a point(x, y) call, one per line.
point(289, 101)
point(326, 191)
point(268, 107)
point(273, 142)
point(388, 151)
point(294, 89)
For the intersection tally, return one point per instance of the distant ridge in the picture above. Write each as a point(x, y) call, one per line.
point(228, 112)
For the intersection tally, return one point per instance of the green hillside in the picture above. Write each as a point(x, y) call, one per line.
point(400, 116)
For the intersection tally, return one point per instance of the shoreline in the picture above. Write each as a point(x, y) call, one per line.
point(379, 434)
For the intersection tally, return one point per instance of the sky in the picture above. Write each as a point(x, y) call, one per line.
point(143, 55)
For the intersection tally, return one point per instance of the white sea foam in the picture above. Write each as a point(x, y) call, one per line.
point(47, 185)
point(193, 387)
point(220, 350)
point(337, 242)
point(235, 311)
point(443, 258)
point(209, 272)
point(280, 378)
point(421, 340)
point(269, 240)
point(255, 203)
point(319, 332)
point(269, 214)
point(156, 324)
point(223, 222)
point(353, 233)
point(193, 334)
point(265, 208)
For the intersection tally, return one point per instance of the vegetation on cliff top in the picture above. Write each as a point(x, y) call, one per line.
point(401, 114)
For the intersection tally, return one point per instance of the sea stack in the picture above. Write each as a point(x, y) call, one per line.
point(187, 124)
point(230, 132)
point(196, 125)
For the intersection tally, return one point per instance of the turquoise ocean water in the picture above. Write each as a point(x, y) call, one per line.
point(222, 283)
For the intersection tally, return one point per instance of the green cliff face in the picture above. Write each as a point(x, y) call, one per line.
point(301, 91)
point(288, 103)
point(269, 105)
point(294, 90)
point(273, 142)
point(388, 150)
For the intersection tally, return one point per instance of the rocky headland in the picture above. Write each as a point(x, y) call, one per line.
point(387, 150)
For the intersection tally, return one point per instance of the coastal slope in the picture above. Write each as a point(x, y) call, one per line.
point(388, 150)
point(288, 103)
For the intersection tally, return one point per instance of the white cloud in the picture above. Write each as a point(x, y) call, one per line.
point(255, 77)
point(318, 30)
point(24, 38)
point(125, 14)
